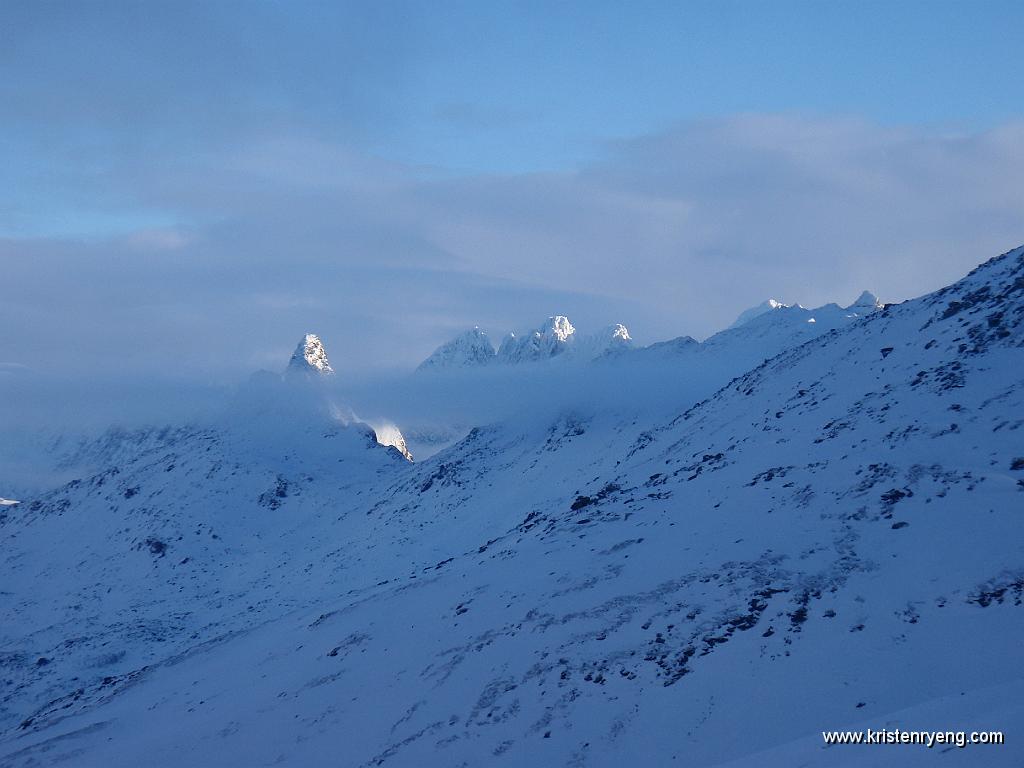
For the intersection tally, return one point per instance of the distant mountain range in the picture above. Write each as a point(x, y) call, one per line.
point(558, 338)
point(816, 525)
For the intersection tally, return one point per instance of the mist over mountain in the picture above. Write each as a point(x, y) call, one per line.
point(443, 385)
point(590, 553)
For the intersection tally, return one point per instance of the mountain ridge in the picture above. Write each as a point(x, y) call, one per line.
point(576, 586)
point(557, 336)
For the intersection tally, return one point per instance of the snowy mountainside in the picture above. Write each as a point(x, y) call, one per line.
point(831, 540)
point(310, 358)
point(187, 536)
point(865, 303)
point(673, 349)
point(610, 341)
point(33, 462)
point(555, 338)
point(764, 307)
point(467, 349)
point(757, 334)
point(783, 326)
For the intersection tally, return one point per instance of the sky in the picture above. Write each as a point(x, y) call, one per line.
point(187, 188)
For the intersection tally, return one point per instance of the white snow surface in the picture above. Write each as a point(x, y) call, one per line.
point(817, 526)
point(471, 348)
point(764, 307)
point(553, 338)
point(865, 303)
point(610, 341)
point(389, 434)
point(764, 329)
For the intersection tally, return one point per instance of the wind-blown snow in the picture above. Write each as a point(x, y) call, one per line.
point(389, 434)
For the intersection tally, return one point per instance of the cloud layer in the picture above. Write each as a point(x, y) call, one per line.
point(671, 233)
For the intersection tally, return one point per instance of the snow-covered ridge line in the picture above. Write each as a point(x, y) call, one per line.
point(557, 337)
point(579, 588)
point(471, 348)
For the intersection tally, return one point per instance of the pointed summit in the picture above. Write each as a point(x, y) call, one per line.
point(468, 349)
point(310, 357)
point(866, 302)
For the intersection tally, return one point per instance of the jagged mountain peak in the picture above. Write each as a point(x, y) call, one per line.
point(554, 337)
point(389, 434)
point(812, 505)
point(619, 333)
point(610, 340)
point(310, 357)
point(558, 327)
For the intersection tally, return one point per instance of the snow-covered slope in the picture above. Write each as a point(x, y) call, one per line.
point(608, 342)
point(763, 308)
point(865, 303)
point(556, 337)
point(310, 358)
point(757, 335)
point(774, 326)
point(471, 348)
point(832, 540)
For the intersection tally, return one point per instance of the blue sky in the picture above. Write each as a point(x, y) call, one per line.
point(544, 87)
point(387, 173)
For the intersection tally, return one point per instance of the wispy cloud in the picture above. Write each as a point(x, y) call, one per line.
point(669, 233)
